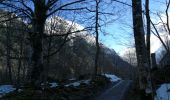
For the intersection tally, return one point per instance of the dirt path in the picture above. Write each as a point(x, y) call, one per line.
point(117, 92)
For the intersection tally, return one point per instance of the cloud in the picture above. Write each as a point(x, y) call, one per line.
point(155, 43)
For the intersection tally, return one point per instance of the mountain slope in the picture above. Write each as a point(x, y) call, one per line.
point(79, 53)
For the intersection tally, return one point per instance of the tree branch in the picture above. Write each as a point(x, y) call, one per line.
point(61, 7)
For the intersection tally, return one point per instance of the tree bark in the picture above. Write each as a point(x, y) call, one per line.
point(148, 45)
point(140, 44)
point(8, 53)
point(148, 30)
point(37, 41)
point(97, 38)
point(20, 60)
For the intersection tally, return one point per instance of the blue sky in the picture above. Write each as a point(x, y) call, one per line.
point(120, 33)
point(121, 30)
point(114, 29)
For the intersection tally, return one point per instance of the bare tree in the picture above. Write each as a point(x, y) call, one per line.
point(97, 37)
point(37, 15)
point(130, 56)
point(99, 17)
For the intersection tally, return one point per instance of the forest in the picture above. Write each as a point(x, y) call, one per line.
point(84, 50)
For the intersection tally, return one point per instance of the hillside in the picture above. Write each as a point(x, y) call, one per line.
point(78, 55)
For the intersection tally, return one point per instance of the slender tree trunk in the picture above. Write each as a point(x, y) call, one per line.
point(48, 61)
point(19, 63)
point(148, 30)
point(24, 68)
point(97, 38)
point(148, 46)
point(8, 53)
point(141, 50)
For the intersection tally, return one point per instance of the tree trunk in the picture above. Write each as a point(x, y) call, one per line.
point(37, 42)
point(46, 68)
point(141, 50)
point(97, 38)
point(148, 30)
point(8, 53)
point(148, 45)
point(20, 62)
point(37, 54)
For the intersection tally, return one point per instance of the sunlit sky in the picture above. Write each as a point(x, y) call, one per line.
point(121, 33)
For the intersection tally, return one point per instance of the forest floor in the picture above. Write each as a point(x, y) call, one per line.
point(82, 91)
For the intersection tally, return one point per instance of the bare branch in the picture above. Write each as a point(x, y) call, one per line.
point(158, 35)
point(68, 33)
point(65, 5)
point(122, 3)
point(162, 22)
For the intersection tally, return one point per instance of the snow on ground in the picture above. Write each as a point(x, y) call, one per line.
point(4, 89)
point(72, 79)
point(75, 84)
point(53, 84)
point(163, 93)
point(113, 78)
point(86, 81)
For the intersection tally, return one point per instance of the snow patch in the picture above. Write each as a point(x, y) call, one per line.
point(76, 84)
point(53, 85)
point(113, 78)
point(20, 90)
point(86, 81)
point(163, 93)
point(72, 79)
point(4, 89)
